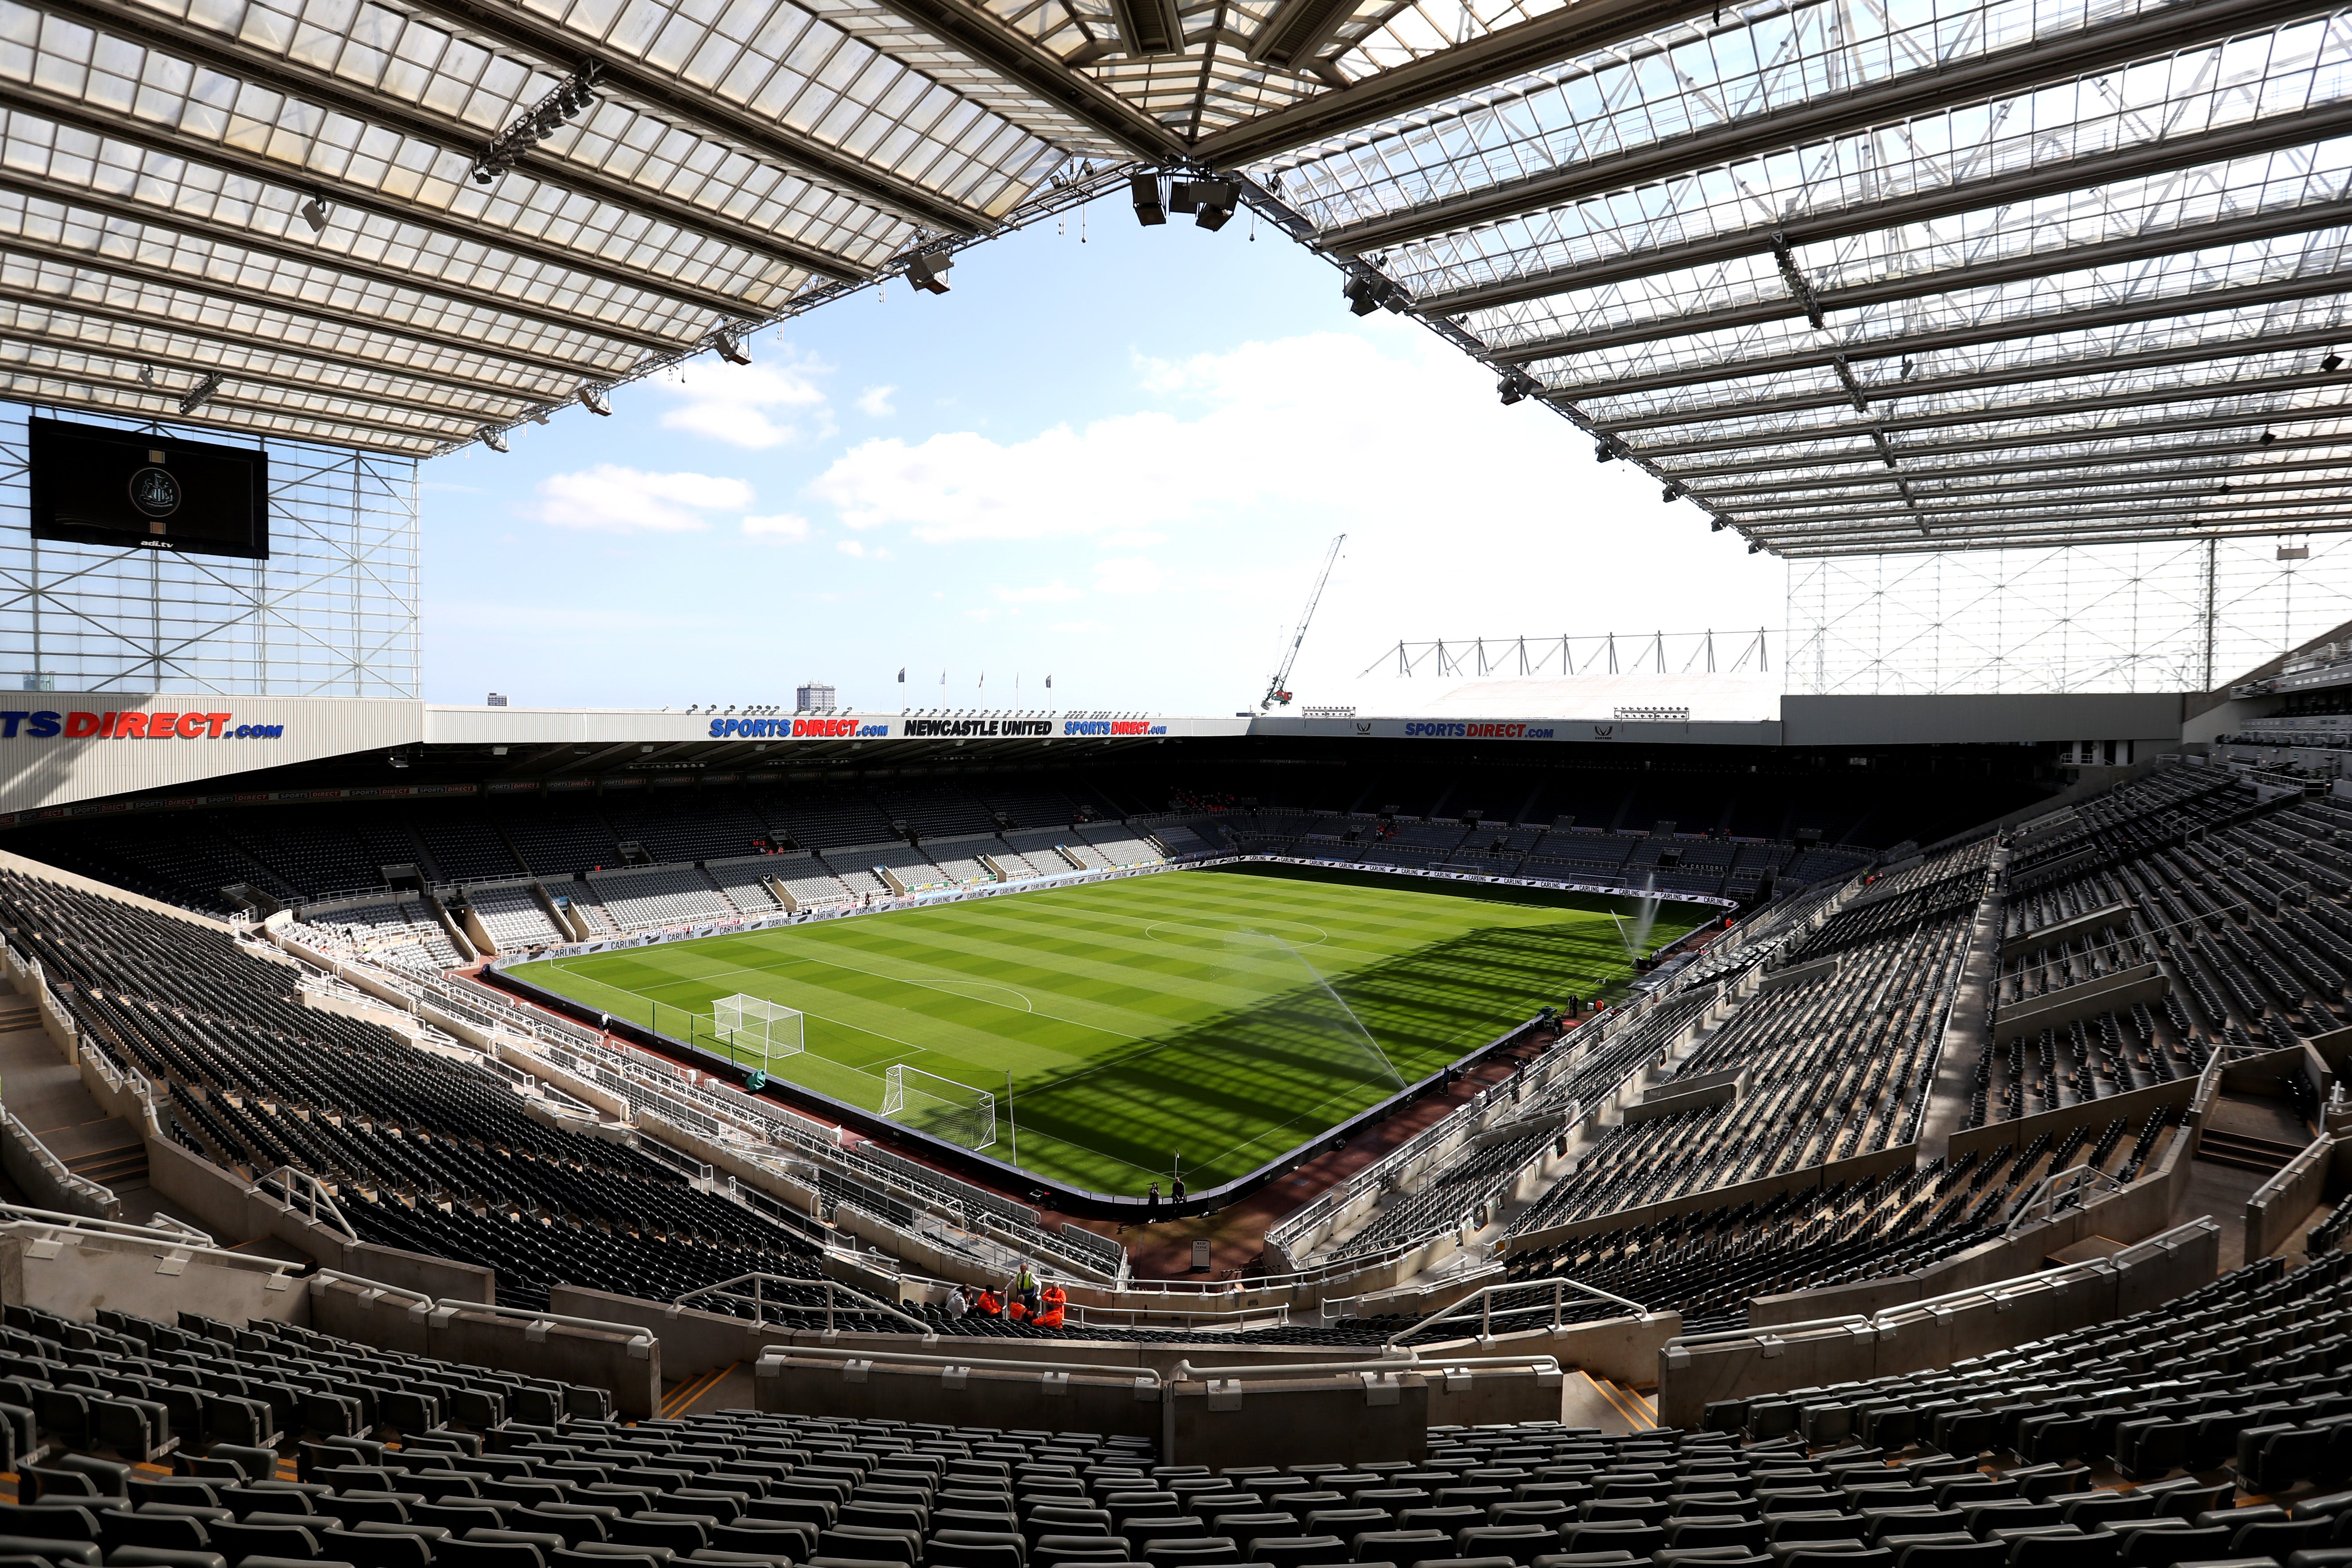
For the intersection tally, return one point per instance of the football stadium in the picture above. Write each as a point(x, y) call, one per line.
point(1865, 1090)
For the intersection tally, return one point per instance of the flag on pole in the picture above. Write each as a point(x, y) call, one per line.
point(902, 675)
point(1049, 683)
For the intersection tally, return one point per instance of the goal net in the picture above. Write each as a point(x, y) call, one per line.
point(940, 1106)
point(754, 1024)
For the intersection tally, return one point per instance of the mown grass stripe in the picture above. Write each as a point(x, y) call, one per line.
point(1132, 1030)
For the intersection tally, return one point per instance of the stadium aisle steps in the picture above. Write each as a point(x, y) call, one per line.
point(2245, 1150)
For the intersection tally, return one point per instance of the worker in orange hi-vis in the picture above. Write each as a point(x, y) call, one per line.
point(1055, 1300)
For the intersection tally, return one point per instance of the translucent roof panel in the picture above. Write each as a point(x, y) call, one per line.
point(1816, 264)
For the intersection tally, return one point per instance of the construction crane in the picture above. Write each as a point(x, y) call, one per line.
point(1278, 690)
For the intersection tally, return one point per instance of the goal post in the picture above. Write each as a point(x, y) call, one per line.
point(756, 1023)
point(940, 1106)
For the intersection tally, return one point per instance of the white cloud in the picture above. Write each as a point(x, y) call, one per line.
point(784, 526)
point(1463, 519)
point(1054, 592)
point(1130, 575)
point(875, 402)
point(863, 551)
point(615, 499)
point(756, 406)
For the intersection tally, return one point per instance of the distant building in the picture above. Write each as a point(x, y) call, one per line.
point(813, 695)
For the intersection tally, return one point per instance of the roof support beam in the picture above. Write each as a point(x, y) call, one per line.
point(1936, 386)
point(1994, 414)
point(2085, 50)
point(2134, 161)
point(2011, 443)
point(561, 51)
point(1068, 87)
point(150, 321)
point(2314, 285)
point(161, 141)
point(1944, 503)
point(2189, 454)
point(458, 420)
point(207, 414)
point(202, 46)
point(2055, 529)
point(1945, 280)
point(1505, 53)
point(91, 262)
point(164, 220)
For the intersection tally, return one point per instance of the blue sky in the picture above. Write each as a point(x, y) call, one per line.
point(1115, 458)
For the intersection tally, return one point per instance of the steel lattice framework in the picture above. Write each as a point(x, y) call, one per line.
point(1855, 276)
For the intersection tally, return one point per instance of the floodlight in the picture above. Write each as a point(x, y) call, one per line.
point(592, 398)
point(314, 213)
point(1149, 208)
point(1755, 547)
point(1517, 386)
point(495, 440)
point(1671, 493)
point(2332, 361)
point(1715, 525)
point(1603, 452)
point(929, 273)
point(728, 341)
point(201, 393)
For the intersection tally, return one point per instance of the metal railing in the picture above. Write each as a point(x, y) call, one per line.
point(177, 1241)
point(308, 1197)
point(1889, 1319)
point(834, 1291)
point(79, 1189)
point(1146, 1381)
point(2070, 1188)
point(1484, 1300)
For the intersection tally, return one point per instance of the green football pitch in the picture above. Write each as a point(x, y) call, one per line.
point(1203, 1019)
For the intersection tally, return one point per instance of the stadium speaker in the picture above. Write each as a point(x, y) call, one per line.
point(1150, 206)
point(1214, 200)
point(2332, 361)
point(929, 273)
point(1366, 292)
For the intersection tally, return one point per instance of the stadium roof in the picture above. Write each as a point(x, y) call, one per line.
point(1854, 275)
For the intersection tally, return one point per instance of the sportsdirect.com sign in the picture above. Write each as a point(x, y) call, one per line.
point(44, 725)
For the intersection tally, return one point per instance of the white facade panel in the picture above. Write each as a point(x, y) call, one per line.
point(58, 747)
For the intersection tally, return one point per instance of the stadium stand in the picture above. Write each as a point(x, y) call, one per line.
point(400, 932)
point(2213, 908)
point(1825, 1010)
point(293, 855)
point(464, 850)
point(745, 881)
point(513, 916)
point(563, 844)
point(667, 896)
